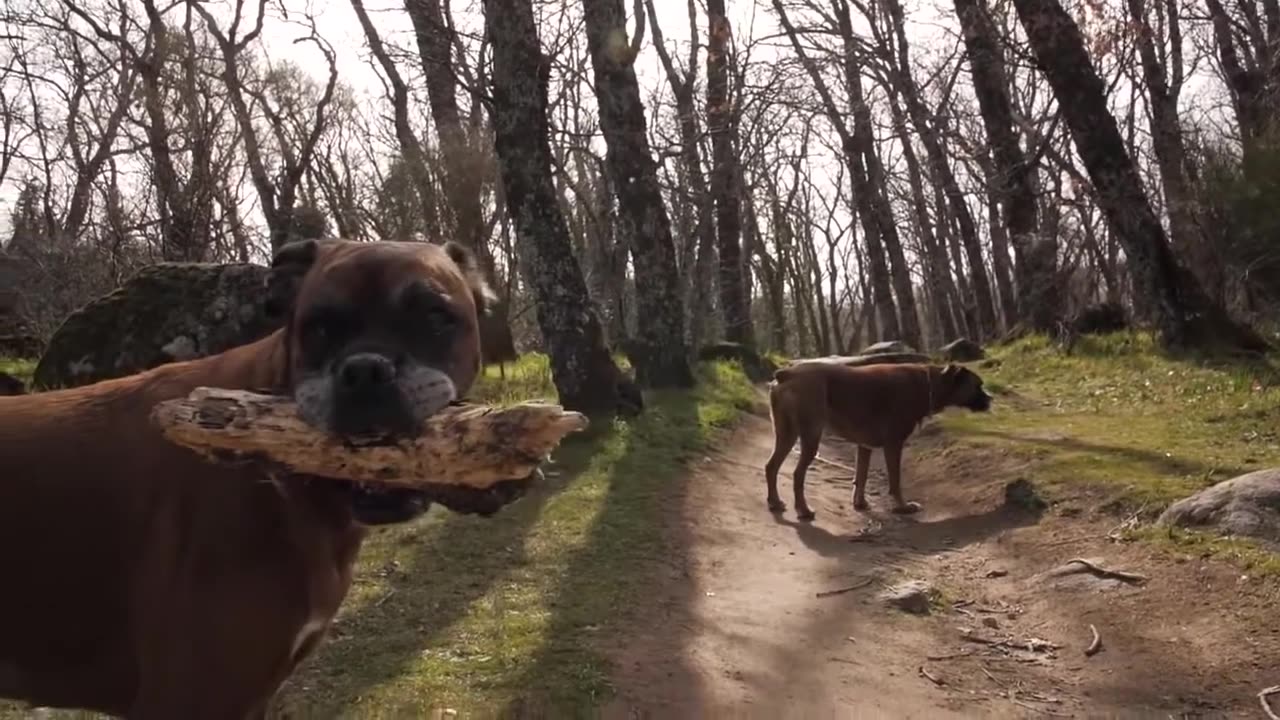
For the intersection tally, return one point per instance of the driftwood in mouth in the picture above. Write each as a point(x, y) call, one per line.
point(471, 446)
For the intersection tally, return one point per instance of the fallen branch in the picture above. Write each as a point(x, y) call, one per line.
point(1266, 704)
point(1030, 644)
point(927, 676)
point(1095, 645)
point(843, 590)
point(470, 446)
point(1105, 573)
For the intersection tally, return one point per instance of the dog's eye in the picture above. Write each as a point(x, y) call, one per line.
point(441, 319)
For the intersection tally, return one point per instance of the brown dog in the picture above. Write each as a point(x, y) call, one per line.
point(875, 406)
point(140, 581)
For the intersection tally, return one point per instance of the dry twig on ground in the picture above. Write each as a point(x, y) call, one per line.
point(1100, 571)
point(1095, 645)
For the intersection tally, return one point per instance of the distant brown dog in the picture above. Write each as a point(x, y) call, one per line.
point(875, 406)
point(141, 581)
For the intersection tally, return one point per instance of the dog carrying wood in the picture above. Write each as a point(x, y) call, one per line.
point(474, 446)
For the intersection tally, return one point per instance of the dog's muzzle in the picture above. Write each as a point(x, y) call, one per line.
point(980, 402)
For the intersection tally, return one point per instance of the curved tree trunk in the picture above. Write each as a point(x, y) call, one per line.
point(663, 358)
point(585, 376)
point(1182, 311)
point(1036, 253)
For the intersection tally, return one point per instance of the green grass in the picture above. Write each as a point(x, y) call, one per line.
point(1127, 426)
point(21, 369)
point(507, 613)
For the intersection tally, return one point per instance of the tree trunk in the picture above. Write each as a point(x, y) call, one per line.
point(1000, 263)
point(663, 360)
point(1036, 253)
point(924, 225)
point(701, 276)
point(1183, 313)
point(1163, 81)
point(463, 178)
point(734, 302)
point(585, 376)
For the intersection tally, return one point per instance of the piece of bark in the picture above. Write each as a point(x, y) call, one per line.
point(473, 446)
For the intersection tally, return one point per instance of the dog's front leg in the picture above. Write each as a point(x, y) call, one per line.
point(893, 466)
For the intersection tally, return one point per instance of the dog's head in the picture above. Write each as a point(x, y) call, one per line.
point(962, 387)
point(379, 335)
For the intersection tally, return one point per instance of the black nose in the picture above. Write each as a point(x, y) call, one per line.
point(366, 371)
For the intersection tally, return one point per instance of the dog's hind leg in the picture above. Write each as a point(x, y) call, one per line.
point(860, 478)
point(893, 467)
point(784, 438)
point(810, 438)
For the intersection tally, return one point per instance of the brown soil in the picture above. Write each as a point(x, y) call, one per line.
point(737, 630)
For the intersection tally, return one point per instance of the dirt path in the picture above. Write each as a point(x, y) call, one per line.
point(738, 630)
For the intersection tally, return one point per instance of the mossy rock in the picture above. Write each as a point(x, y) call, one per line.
point(167, 312)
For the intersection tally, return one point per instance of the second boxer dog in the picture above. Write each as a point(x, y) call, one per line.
point(143, 582)
point(874, 406)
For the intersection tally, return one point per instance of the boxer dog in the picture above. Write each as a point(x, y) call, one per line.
point(874, 406)
point(143, 582)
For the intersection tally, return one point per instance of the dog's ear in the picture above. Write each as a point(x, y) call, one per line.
point(289, 266)
point(481, 293)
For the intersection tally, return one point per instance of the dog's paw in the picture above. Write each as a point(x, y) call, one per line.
point(776, 506)
point(806, 515)
point(861, 505)
point(909, 508)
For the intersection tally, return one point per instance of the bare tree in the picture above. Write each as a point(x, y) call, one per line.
point(663, 358)
point(735, 302)
point(1183, 313)
point(582, 368)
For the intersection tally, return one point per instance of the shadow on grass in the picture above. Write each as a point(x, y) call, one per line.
point(1158, 462)
point(383, 637)
point(507, 614)
point(628, 537)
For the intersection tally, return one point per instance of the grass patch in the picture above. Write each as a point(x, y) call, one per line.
point(1130, 427)
point(503, 614)
point(1241, 552)
point(22, 369)
point(1119, 416)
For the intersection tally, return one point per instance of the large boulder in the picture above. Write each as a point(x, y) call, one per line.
point(963, 350)
point(1246, 506)
point(165, 313)
point(888, 347)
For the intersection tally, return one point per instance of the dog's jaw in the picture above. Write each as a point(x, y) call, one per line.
point(423, 390)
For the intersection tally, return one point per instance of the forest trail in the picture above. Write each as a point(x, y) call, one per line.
point(737, 627)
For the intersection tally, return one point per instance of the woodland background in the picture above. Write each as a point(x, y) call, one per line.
point(798, 176)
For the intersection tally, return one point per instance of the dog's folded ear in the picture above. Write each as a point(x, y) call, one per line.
point(289, 266)
point(482, 294)
point(953, 372)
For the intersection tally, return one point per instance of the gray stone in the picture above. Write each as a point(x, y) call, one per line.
point(912, 596)
point(888, 346)
point(1245, 506)
point(165, 313)
point(963, 350)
